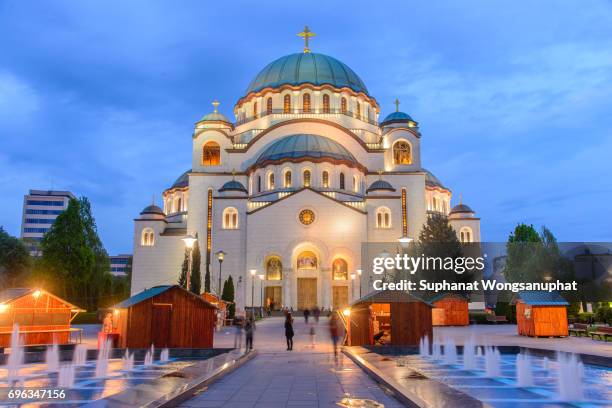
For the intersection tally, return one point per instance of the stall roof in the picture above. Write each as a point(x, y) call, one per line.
point(389, 296)
point(11, 294)
point(441, 296)
point(542, 298)
point(149, 293)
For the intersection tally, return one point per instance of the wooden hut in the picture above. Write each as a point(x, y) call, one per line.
point(43, 318)
point(222, 308)
point(388, 317)
point(541, 314)
point(165, 316)
point(450, 309)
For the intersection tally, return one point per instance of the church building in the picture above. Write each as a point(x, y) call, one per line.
point(289, 190)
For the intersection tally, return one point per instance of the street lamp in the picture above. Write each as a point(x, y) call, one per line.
point(359, 273)
point(220, 258)
point(261, 279)
point(253, 272)
point(405, 241)
point(352, 285)
point(189, 240)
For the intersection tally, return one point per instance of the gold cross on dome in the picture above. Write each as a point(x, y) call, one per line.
point(216, 104)
point(306, 34)
point(396, 102)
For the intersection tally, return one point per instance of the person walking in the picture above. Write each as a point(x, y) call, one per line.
point(317, 313)
point(249, 328)
point(238, 333)
point(289, 331)
point(333, 331)
point(306, 315)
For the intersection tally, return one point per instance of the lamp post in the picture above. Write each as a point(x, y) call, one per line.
point(189, 240)
point(261, 279)
point(359, 274)
point(220, 258)
point(253, 272)
point(352, 286)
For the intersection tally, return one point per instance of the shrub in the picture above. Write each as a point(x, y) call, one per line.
point(603, 314)
point(585, 317)
point(478, 317)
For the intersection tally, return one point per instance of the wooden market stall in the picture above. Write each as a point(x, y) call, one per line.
point(43, 318)
point(222, 308)
point(388, 317)
point(165, 316)
point(450, 309)
point(541, 314)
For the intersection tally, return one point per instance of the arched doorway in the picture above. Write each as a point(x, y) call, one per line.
point(273, 297)
point(307, 265)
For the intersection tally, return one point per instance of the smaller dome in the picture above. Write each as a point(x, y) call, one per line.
point(233, 185)
point(380, 185)
point(215, 116)
point(182, 181)
point(398, 117)
point(461, 208)
point(152, 209)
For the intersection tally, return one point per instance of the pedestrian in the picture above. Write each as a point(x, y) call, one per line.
point(333, 331)
point(306, 315)
point(317, 313)
point(289, 331)
point(238, 333)
point(249, 328)
point(313, 335)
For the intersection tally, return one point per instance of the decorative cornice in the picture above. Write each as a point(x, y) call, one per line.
point(416, 133)
point(331, 160)
point(314, 191)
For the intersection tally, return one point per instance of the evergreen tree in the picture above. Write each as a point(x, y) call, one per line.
point(207, 279)
point(182, 280)
point(14, 260)
point(228, 295)
point(521, 263)
point(196, 277)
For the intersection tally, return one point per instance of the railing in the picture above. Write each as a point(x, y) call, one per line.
point(253, 205)
point(306, 113)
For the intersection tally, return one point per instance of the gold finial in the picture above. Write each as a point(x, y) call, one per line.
point(397, 104)
point(233, 174)
point(306, 34)
point(216, 104)
point(460, 198)
point(380, 173)
point(152, 199)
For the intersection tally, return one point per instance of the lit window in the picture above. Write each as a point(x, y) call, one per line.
point(211, 154)
point(355, 184)
point(287, 104)
point(402, 153)
point(306, 175)
point(230, 218)
point(325, 179)
point(339, 269)
point(343, 105)
point(307, 260)
point(383, 217)
point(271, 181)
point(358, 110)
point(255, 112)
point(274, 269)
point(465, 235)
point(288, 179)
point(306, 102)
point(325, 103)
point(269, 106)
point(259, 184)
point(341, 181)
point(147, 237)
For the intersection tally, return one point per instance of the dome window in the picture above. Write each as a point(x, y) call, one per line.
point(269, 106)
point(288, 179)
point(306, 103)
point(259, 184)
point(271, 181)
point(211, 154)
point(325, 103)
point(325, 179)
point(355, 184)
point(342, 184)
point(343, 105)
point(358, 110)
point(306, 176)
point(255, 112)
point(287, 104)
point(402, 153)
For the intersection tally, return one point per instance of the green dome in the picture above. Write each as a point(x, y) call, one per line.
point(307, 68)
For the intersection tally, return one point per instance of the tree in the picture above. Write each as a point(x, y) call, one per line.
point(521, 264)
point(182, 280)
point(207, 278)
point(195, 283)
point(14, 260)
point(228, 295)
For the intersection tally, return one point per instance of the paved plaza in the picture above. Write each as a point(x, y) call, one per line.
point(306, 377)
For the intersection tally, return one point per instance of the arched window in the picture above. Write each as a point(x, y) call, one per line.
point(230, 218)
point(306, 176)
point(339, 269)
point(402, 154)
point(147, 237)
point(274, 268)
point(287, 178)
point(325, 179)
point(383, 217)
point(435, 204)
point(342, 181)
point(269, 106)
point(271, 181)
point(306, 102)
point(325, 103)
point(358, 110)
point(287, 104)
point(368, 112)
point(255, 112)
point(259, 184)
point(307, 260)
point(355, 184)
point(343, 105)
point(465, 235)
point(179, 206)
point(211, 154)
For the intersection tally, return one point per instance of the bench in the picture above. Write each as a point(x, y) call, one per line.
point(496, 319)
point(579, 329)
point(602, 332)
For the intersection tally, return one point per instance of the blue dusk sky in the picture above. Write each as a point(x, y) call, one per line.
point(514, 99)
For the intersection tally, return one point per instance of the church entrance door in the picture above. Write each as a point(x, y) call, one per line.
point(274, 297)
point(306, 293)
point(340, 297)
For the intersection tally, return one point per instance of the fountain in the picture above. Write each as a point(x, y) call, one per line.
point(128, 361)
point(436, 351)
point(479, 352)
point(450, 352)
point(424, 347)
point(524, 374)
point(570, 377)
point(65, 376)
point(164, 356)
point(469, 359)
point(492, 362)
point(102, 361)
point(52, 358)
point(15, 359)
point(545, 365)
point(80, 355)
point(150, 356)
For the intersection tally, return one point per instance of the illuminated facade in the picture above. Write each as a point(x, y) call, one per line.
point(292, 187)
